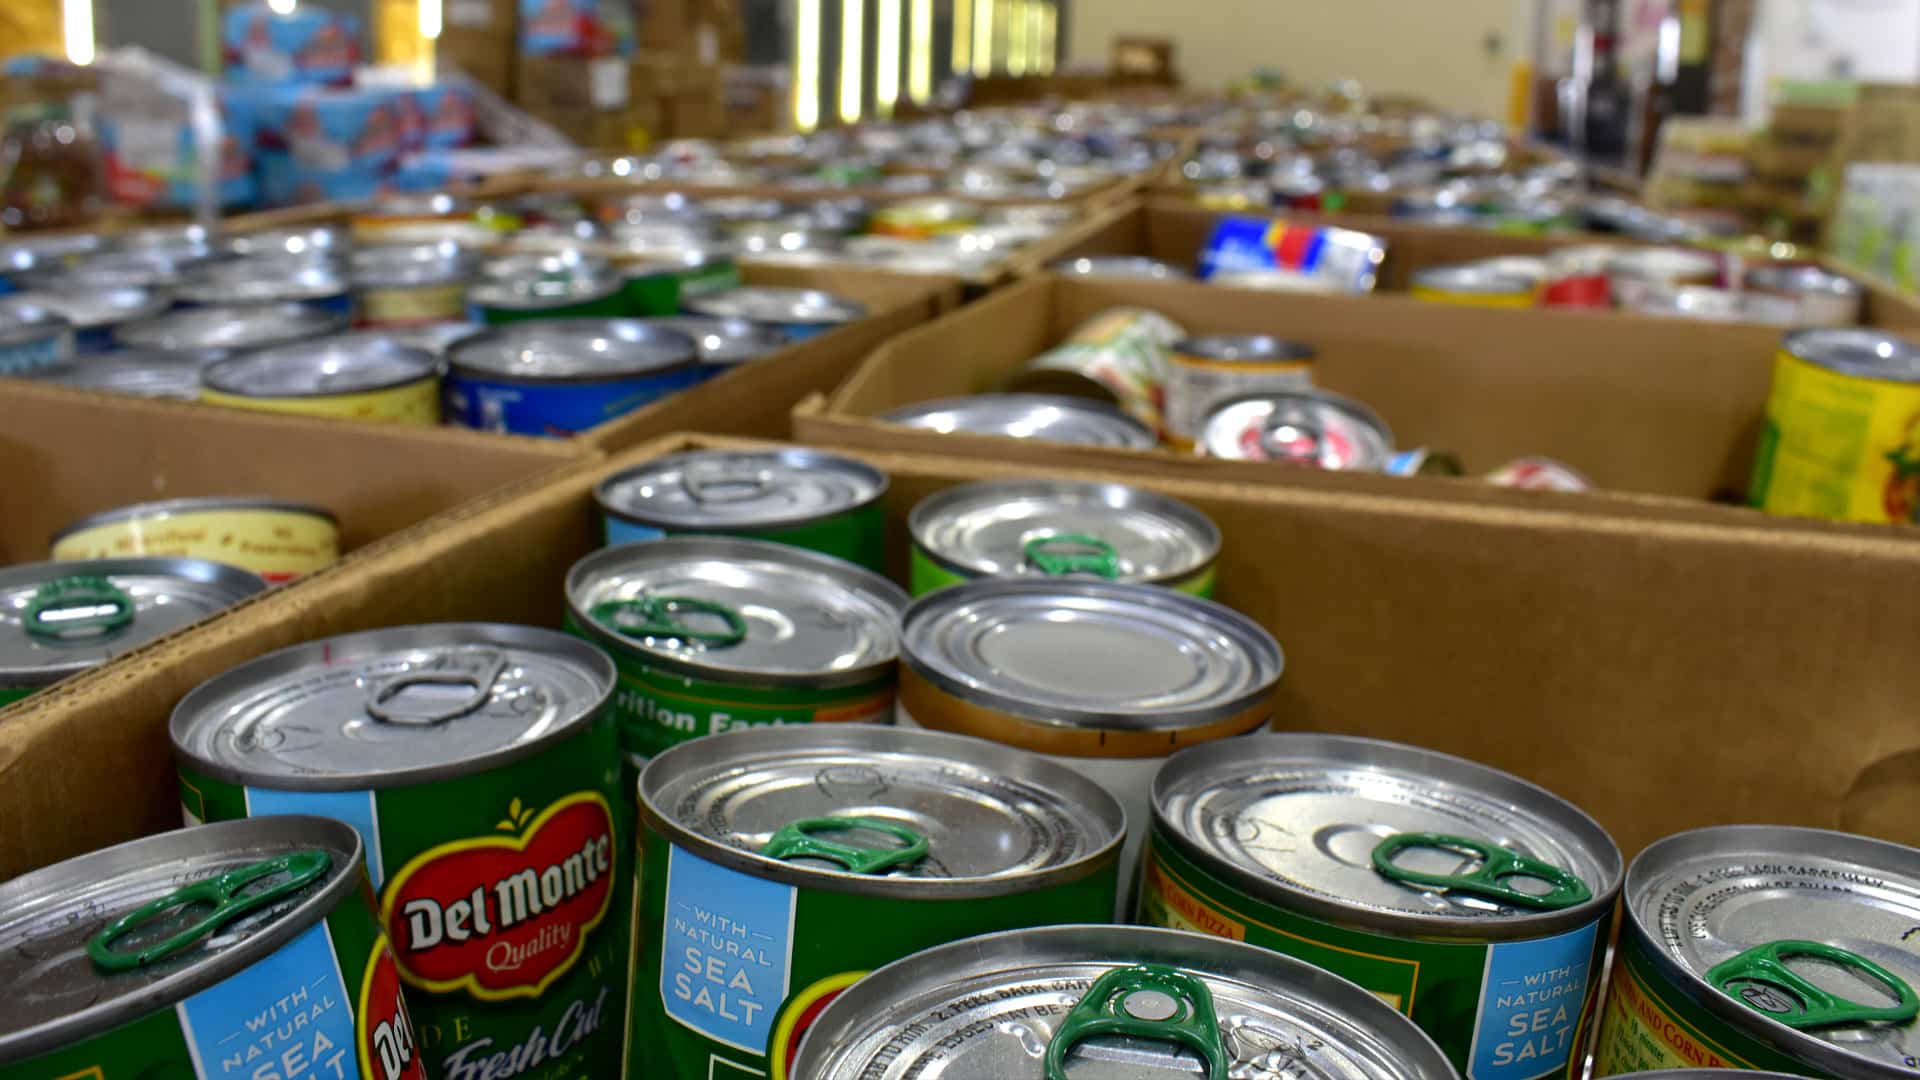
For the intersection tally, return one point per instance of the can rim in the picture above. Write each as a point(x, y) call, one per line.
point(192, 711)
point(182, 844)
point(493, 336)
point(1072, 788)
point(800, 457)
point(211, 380)
point(501, 294)
point(853, 310)
point(1110, 417)
point(194, 504)
point(1802, 345)
point(1268, 890)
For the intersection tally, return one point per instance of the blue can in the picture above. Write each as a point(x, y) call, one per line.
point(558, 377)
point(34, 339)
point(799, 313)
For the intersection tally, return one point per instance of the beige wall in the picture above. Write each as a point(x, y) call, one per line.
point(1431, 47)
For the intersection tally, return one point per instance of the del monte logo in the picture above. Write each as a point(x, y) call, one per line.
point(504, 915)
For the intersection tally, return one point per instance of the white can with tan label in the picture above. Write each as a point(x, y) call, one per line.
point(1210, 369)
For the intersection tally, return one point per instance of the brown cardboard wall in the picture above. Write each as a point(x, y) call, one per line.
point(1663, 675)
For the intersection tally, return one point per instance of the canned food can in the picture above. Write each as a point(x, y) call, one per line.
point(1120, 266)
point(712, 634)
point(1820, 297)
point(1304, 427)
point(1274, 280)
point(917, 219)
point(1842, 433)
point(137, 372)
point(476, 763)
point(1473, 285)
point(179, 243)
point(1120, 356)
point(1061, 528)
point(355, 376)
point(216, 331)
point(1766, 947)
point(245, 948)
point(825, 852)
point(665, 285)
point(435, 339)
point(411, 284)
point(93, 312)
point(268, 279)
point(61, 618)
point(420, 217)
point(726, 343)
point(1212, 368)
point(1539, 474)
point(33, 338)
point(1411, 886)
point(1350, 260)
point(47, 253)
point(316, 240)
point(1105, 678)
point(110, 269)
point(821, 502)
point(799, 313)
point(1708, 304)
point(1044, 417)
point(1002, 1004)
point(558, 377)
point(277, 540)
point(1632, 271)
point(556, 292)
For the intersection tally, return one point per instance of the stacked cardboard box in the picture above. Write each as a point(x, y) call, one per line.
point(477, 36)
point(572, 67)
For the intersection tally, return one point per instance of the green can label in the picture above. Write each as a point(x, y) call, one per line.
point(1650, 1024)
point(928, 575)
point(1509, 1010)
point(658, 709)
point(11, 694)
point(732, 968)
point(505, 895)
point(325, 1006)
point(717, 276)
point(858, 536)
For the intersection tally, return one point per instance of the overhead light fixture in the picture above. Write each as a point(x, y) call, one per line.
point(1016, 37)
point(886, 57)
point(1035, 14)
point(806, 64)
point(430, 19)
point(281, 7)
point(76, 25)
point(982, 36)
point(962, 36)
point(853, 14)
point(1049, 27)
point(920, 51)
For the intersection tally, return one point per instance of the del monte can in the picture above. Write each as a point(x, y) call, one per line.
point(245, 949)
point(781, 864)
point(1469, 900)
point(479, 764)
point(1160, 1003)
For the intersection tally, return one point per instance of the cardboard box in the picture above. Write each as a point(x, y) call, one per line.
point(478, 37)
point(1657, 407)
point(1662, 676)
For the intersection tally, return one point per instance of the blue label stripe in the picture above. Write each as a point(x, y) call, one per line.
point(1530, 1002)
point(356, 808)
point(726, 951)
point(288, 1014)
point(620, 531)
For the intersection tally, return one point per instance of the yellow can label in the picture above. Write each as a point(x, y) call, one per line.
point(416, 403)
point(413, 306)
point(276, 544)
point(1838, 446)
point(1639, 1034)
point(1473, 299)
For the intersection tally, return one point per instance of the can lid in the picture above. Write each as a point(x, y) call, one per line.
point(564, 265)
point(764, 303)
point(1124, 1001)
point(61, 618)
point(435, 338)
point(739, 610)
point(1047, 417)
point(229, 326)
point(1370, 832)
point(1476, 278)
point(1120, 266)
point(1243, 347)
point(290, 240)
point(867, 808)
point(1303, 427)
point(390, 266)
point(164, 508)
point(726, 341)
point(740, 489)
point(87, 307)
point(1857, 351)
point(103, 939)
point(1664, 263)
point(30, 250)
point(1802, 279)
point(25, 321)
point(559, 349)
point(1730, 905)
point(342, 364)
point(107, 269)
point(177, 242)
point(1090, 654)
point(1049, 528)
point(391, 707)
point(140, 372)
point(561, 287)
point(253, 279)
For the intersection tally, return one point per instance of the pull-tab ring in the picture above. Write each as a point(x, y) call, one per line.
point(1489, 879)
point(797, 841)
point(1292, 440)
point(76, 608)
point(479, 681)
point(1072, 553)
point(1149, 1002)
point(659, 616)
point(713, 486)
point(227, 894)
point(1760, 979)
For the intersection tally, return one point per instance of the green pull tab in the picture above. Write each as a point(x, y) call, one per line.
point(72, 608)
point(660, 616)
point(1760, 979)
point(1150, 1002)
point(1073, 553)
point(229, 896)
point(1488, 880)
point(797, 841)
